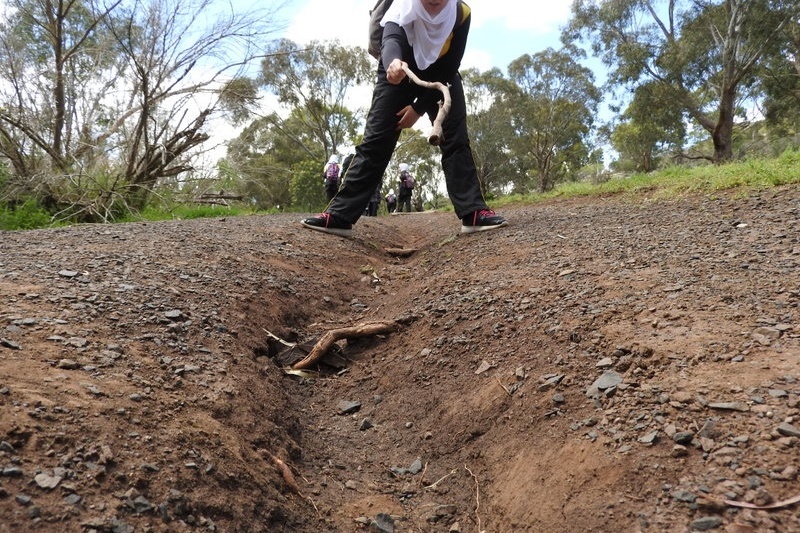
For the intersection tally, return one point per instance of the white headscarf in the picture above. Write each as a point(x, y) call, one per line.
point(426, 34)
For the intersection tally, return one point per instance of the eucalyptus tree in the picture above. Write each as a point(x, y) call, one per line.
point(648, 130)
point(489, 116)
point(321, 80)
point(552, 117)
point(259, 161)
point(99, 102)
point(703, 53)
point(306, 121)
point(780, 78)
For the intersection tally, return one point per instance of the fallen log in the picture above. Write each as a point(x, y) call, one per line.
point(329, 338)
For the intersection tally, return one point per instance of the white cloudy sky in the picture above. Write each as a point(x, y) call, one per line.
point(501, 30)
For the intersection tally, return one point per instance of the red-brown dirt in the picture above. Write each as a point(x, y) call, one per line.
point(142, 387)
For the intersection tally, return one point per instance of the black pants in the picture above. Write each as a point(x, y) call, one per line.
point(372, 208)
point(380, 137)
point(404, 201)
point(331, 188)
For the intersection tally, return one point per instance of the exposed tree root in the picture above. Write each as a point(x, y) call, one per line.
point(401, 252)
point(286, 472)
point(328, 339)
point(477, 498)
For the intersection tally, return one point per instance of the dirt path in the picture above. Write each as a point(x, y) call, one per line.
point(623, 364)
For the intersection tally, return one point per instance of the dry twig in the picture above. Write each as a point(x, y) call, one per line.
point(276, 338)
point(444, 106)
point(436, 483)
point(775, 505)
point(504, 387)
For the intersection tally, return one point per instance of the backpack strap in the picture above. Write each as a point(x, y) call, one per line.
point(462, 13)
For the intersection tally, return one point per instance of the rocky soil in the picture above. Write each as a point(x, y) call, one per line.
point(618, 364)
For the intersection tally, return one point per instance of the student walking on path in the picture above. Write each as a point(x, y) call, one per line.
point(429, 37)
point(405, 189)
point(331, 177)
point(391, 201)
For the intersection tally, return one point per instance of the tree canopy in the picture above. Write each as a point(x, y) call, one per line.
point(704, 54)
point(100, 102)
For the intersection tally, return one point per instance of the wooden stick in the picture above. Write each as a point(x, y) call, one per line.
point(285, 471)
point(435, 138)
point(326, 341)
point(776, 505)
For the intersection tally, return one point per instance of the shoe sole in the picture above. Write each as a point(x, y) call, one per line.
point(333, 231)
point(476, 229)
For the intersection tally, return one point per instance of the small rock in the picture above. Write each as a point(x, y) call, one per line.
point(47, 481)
point(740, 528)
point(709, 429)
point(68, 364)
point(706, 523)
point(679, 451)
point(346, 407)
point(77, 342)
point(484, 366)
point(605, 362)
point(788, 430)
point(382, 523)
point(650, 438)
point(10, 344)
point(787, 474)
point(608, 380)
point(768, 332)
point(12, 471)
point(684, 496)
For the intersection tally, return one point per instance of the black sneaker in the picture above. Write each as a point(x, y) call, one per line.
point(328, 223)
point(482, 220)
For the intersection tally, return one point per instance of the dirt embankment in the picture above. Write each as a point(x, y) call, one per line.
point(618, 364)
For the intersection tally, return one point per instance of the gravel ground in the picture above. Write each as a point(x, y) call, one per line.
point(616, 364)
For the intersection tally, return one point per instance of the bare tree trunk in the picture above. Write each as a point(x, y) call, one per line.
point(722, 135)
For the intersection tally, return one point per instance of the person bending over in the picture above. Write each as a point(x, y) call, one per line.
point(429, 36)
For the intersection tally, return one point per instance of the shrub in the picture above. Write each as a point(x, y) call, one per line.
point(27, 215)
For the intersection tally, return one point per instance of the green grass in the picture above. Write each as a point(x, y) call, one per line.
point(746, 176)
point(187, 212)
point(27, 215)
point(672, 182)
